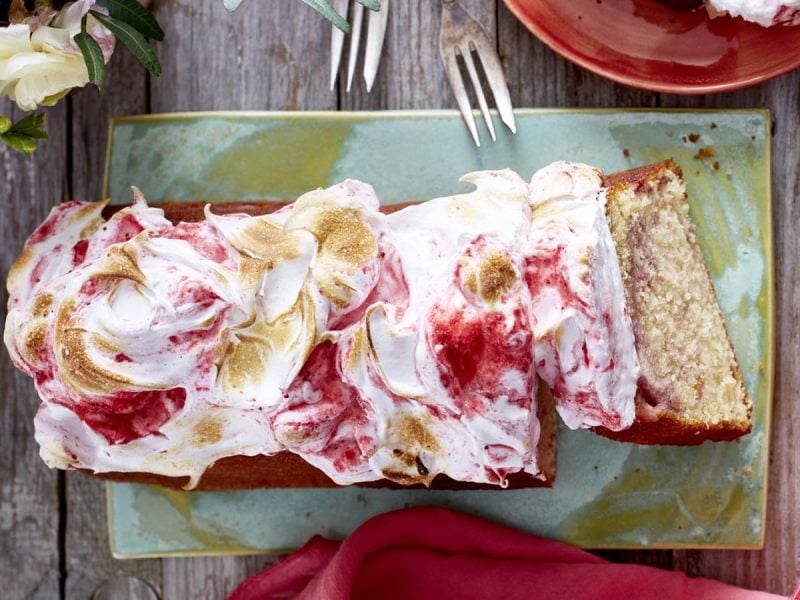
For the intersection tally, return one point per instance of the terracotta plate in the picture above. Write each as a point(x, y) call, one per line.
point(644, 44)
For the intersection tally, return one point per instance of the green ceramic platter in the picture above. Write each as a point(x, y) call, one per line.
point(607, 494)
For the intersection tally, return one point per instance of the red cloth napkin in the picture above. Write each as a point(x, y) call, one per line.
point(436, 553)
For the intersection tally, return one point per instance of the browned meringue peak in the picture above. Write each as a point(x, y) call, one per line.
point(266, 355)
point(346, 222)
point(266, 350)
point(491, 278)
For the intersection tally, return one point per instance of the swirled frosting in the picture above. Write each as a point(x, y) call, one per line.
point(162, 348)
point(585, 348)
point(399, 347)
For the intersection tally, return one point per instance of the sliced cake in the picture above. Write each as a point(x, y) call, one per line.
point(689, 389)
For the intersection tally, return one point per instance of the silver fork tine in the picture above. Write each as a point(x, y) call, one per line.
point(337, 41)
point(462, 34)
point(376, 31)
point(497, 81)
point(476, 84)
point(355, 42)
point(460, 92)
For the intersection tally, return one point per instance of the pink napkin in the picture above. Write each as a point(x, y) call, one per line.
point(436, 553)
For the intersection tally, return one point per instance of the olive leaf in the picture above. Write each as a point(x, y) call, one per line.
point(135, 15)
point(371, 4)
point(132, 40)
point(92, 55)
point(323, 7)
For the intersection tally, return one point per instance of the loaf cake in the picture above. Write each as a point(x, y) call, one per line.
point(327, 344)
point(690, 388)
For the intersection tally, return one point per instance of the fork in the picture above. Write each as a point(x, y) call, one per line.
point(376, 31)
point(462, 35)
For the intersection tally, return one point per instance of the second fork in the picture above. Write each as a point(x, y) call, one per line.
point(376, 31)
point(461, 36)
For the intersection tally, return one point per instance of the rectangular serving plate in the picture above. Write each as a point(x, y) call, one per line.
point(607, 494)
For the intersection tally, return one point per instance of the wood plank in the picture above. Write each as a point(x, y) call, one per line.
point(411, 74)
point(29, 491)
point(124, 93)
point(265, 56)
point(203, 578)
point(776, 568)
point(87, 555)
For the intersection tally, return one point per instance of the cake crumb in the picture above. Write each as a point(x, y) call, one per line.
point(716, 165)
point(693, 137)
point(705, 152)
point(626, 153)
point(713, 125)
point(747, 471)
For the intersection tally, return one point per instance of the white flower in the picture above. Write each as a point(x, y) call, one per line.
point(40, 67)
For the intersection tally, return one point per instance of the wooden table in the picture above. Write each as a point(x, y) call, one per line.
point(274, 55)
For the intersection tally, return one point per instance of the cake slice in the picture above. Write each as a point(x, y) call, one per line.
point(690, 389)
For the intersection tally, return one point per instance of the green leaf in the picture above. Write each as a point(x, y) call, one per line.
point(371, 4)
point(135, 15)
point(31, 126)
point(92, 56)
point(5, 124)
point(324, 8)
point(132, 40)
point(20, 143)
point(22, 136)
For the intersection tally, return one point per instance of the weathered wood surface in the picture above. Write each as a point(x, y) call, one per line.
point(30, 505)
point(53, 539)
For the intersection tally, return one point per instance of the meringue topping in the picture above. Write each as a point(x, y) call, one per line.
point(585, 349)
point(399, 347)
